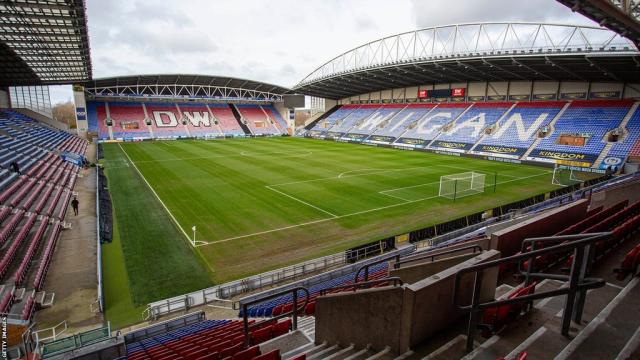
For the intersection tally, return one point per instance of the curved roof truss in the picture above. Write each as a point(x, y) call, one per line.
point(465, 45)
point(185, 86)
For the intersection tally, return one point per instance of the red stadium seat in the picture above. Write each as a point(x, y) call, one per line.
point(247, 354)
point(272, 355)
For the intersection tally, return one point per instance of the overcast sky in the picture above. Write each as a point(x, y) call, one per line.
point(275, 41)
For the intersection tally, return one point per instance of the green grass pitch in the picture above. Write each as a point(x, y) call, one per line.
point(260, 204)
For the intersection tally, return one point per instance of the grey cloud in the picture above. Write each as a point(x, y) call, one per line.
point(441, 12)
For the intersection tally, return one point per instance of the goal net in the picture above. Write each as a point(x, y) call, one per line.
point(565, 176)
point(463, 184)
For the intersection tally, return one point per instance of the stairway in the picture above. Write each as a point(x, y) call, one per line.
point(308, 326)
point(326, 114)
point(109, 127)
point(214, 120)
point(614, 333)
point(146, 117)
point(270, 121)
point(183, 122)
point(538, 332)
point(551, 127)
point(453, 122)
point(238, 117)
point(603, 155)
point(497, 124)
point(327, 351)
point(623, 125)
point(417, 123)
point(362, 121)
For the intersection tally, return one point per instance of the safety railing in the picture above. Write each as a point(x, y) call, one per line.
point(576, 291)
point(363, 285)
point(293, 313)
point(435, 253)
point(366, 267)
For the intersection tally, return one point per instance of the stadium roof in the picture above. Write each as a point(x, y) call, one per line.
point(184, 85)
point(477, 52)
point(43, 42)
point(620, 16)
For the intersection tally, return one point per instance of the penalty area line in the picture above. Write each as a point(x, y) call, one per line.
point(190, 241)
point(349, 215)
point(301, 201)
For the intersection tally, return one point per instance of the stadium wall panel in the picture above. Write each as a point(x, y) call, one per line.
point(477, 89)
point(497, 88)
point(509, 241)
point(573, 87)
point(520, 88)
point(545, 87)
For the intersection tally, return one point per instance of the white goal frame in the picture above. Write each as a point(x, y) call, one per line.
point(555, 180)
point(459, 185)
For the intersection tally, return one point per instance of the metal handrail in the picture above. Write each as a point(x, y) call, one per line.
point(429, 254)
point(294, 311)
point(577, 281)
point(364, 284)
point(379, 261)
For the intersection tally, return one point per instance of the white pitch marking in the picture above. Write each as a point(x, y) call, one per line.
point(292, 153)
point(301, 201)
point(393, 196)
point(348, 215)
point(157, 197)
point(358, 170)
point(382, 171)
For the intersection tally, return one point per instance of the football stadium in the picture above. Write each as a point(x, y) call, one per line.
point(458, 191)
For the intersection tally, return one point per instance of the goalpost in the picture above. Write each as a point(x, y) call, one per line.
point(462, 184)
point(565, 176)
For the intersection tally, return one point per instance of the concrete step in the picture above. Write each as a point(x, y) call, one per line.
point(611, 330)
point(384, 354)
point(291, 344)
point(342, 353)
point(452, 350)
point(539, 331)
point(326, 351)
point(297, 351)
point(308, 326)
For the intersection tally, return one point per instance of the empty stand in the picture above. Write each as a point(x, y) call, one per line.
point(257, 120)
point(590, 120)
point(519, 128)
point(469, 127)
point(33, 206)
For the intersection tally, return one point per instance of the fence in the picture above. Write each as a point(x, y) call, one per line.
point(76, 341)
point(98, 243)
point(271, 278)
point(163, 327)
point(431, 236)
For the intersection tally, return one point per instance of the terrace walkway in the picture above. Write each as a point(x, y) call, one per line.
point(72, 276)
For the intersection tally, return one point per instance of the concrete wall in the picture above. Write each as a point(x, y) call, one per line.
point(366, 317)
point(509, 240)
point(399, 317)
point(613, 196)
point(415, 271)
point(428, 306)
